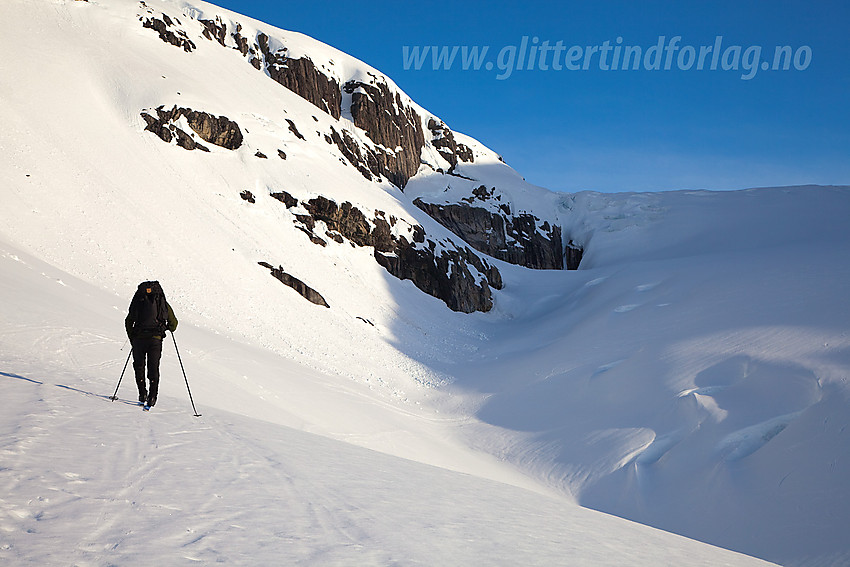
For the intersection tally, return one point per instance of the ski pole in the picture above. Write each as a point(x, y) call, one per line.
point(115, 395)
point(184, 375)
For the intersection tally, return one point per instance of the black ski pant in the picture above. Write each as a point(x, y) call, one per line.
point(150, 349)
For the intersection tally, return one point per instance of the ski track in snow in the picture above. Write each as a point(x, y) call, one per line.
point(692, 376)
point(181, 490)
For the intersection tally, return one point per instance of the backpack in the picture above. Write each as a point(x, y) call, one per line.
point(149, 311)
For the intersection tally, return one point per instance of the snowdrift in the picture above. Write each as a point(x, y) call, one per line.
point(690, 375)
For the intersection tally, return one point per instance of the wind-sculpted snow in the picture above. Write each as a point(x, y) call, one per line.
point(692, 371)
point(86, 480)
point(691, 375)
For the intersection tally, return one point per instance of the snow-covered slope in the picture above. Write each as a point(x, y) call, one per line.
point(695, 376)
point(691, 375)
point(87, 481)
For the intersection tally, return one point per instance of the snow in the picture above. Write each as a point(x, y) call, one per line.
point(90, 481)
point(692, 376)
point(683, 369)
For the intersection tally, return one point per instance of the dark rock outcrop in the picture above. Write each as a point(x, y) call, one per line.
point(167, 131)
point(306, 291)
point(298, 75)
point(243, 47)
point(572, 255)
point(394, 128)
point(215, 30)
point(393, 152)
point(301, 77)
point(513, 238)
point(362, 158)
point(294, 129)
point(286, 199)
point(446, 276)
point(453, 274)
point(444, 140)
point(176, 36)
point(218, 130)
point(391, 125)
point(345, 219)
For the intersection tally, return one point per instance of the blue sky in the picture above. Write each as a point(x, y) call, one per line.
point(607, 128)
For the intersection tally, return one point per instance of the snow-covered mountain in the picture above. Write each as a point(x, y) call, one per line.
point(346, 268)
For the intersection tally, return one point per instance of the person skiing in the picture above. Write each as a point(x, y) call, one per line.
point(149, 317)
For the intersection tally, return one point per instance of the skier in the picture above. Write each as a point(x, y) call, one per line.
point(149, 317)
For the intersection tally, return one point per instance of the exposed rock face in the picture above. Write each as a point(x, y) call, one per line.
point(446, 276)
point(348, 221)
point(298, 75)
point(245, 49)
point(176, 36)
point(391, 124)
point(306, 291)
point(394, 127)
point(301, 77)
point(572, 255)
point(294, 129)
point(453, 274)
point(215, 30)
point(218, 130)
point(362, 158)
point(163, 127)
point(444, 140)
point(393, 151)
point(519, 239)
point(286, 199)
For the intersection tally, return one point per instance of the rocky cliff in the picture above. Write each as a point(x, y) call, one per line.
point(454, 274)
point(392, 127)
point(487, 222)
point(387, 138)
point(218, 130)
point(515, 239)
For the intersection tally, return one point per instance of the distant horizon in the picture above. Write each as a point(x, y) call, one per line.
point(622, 97)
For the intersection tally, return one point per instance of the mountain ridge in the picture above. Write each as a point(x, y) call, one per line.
point(699, 346)
point(394, 147)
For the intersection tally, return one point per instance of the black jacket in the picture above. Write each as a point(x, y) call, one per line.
point(137, 328)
